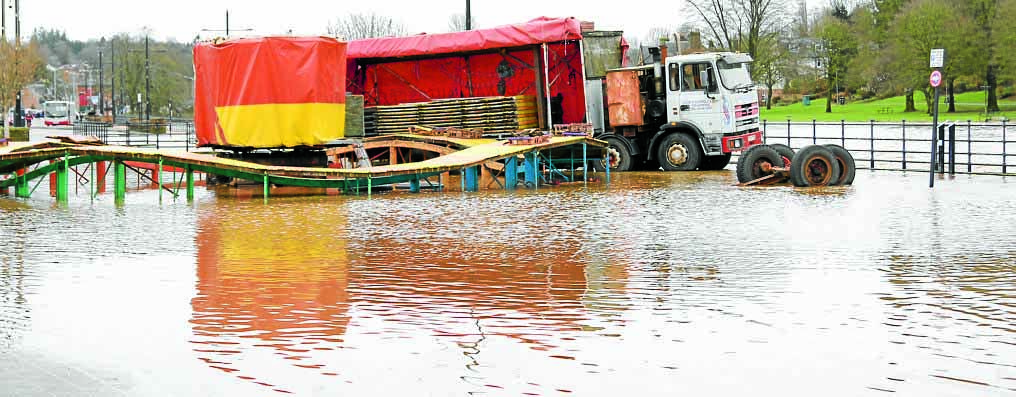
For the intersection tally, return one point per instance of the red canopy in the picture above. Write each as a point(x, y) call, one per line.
point(538, 31)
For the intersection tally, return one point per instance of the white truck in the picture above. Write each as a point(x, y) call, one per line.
point(680, 113)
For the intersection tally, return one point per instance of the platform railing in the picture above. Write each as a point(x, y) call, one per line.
point(976, 148)
point(170, 134)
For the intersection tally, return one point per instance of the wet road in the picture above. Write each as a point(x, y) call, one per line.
point(661, 284)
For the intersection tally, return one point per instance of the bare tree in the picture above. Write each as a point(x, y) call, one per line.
point(18, 65)
point(363, 26)
point(457, 22)
point(740, 25)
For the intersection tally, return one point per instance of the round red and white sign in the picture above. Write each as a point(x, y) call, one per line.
point(936, 79)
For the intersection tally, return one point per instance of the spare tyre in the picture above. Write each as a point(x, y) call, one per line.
point(847, 166)
point(756, 162)
point(784, 151)
point(814, 165)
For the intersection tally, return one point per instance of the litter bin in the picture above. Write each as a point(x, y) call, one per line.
point(841, 100)
point(806, 100)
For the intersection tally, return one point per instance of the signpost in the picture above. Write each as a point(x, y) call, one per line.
point(937, 63)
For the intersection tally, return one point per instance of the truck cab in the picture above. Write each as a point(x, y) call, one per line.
point(682, 112)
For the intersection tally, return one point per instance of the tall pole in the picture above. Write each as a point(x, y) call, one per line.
point(102, 101)
point(227, 23)
point(3, 19)
point(18, 113)
point(469, 16)
point(148, 106)
point(112, 75)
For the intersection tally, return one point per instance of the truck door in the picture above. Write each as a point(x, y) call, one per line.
point(692, 100)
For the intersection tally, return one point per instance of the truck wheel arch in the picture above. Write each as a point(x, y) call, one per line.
point(667, 129)
point(632, 147)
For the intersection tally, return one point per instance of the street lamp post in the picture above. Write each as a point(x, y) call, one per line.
point(19, 120)
point(469, 14)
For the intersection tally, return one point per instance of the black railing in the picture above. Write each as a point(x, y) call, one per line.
point(161, 134)
point(976, 148)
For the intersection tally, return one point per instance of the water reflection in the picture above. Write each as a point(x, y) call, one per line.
point(956, 309)
point(15, 315)
point(269, 282)
point(291, 284)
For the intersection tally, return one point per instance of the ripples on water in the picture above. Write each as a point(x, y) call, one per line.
point(664, 283)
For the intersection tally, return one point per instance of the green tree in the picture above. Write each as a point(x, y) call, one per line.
point(985, 15)
point(838, 47)
point(18, 64)
point(1005, 32)
point(921, 26)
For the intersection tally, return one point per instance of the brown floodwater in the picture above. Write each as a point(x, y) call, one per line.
point(658, 284)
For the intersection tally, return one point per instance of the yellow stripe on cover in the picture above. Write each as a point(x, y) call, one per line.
point(282, 125)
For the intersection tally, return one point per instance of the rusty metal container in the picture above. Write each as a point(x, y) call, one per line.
point(624, 100)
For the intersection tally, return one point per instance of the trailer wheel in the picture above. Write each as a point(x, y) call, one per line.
point(784, 151)
point(757, 162)
point(679, 152)
point(814, 165)
point(620, 157)
point(715, 163)
point(847, 166)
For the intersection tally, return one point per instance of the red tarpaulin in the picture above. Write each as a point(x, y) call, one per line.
point(538, 31)
point(486, 62)
point(270, 92)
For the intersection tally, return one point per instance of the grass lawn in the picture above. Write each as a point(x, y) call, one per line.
point(969, 106)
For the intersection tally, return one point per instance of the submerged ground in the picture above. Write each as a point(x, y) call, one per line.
point(660, 284)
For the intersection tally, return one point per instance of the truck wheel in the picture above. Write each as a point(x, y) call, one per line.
point(757, 162)
point(621, 159)
point(814, 165)
point(715, 163)
point(679, 152)
point(783, 150)
point(847, 166)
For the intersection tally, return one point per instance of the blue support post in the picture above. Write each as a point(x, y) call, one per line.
point(511, 173)
point(414, 185)
point(530, 168)
point(585, 164)
point(607, 165)
point(472, 179)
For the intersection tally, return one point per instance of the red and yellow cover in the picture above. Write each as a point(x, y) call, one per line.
point(270, 92)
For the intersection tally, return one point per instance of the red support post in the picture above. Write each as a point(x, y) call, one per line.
point(52, 181)
point(100, 177)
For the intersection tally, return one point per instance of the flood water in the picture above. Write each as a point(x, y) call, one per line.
point(660, 284)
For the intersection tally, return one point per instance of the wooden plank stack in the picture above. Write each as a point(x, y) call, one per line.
point(492, 115)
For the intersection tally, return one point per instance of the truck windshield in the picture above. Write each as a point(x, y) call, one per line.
point(734, 76)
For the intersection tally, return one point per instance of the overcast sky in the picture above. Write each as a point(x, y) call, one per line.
point(184, 19)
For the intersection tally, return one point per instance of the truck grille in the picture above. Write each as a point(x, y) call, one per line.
point(742, 123)
point(748, 109)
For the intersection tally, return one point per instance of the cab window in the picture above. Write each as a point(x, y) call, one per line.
point(691, 76)
point(674, 71)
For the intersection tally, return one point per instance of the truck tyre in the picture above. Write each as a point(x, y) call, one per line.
point(784, 151)
point(624, 160)
point(679, 152)
point(755, 161)
point(814, 165)
point(715, 163)
point(847, 166)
